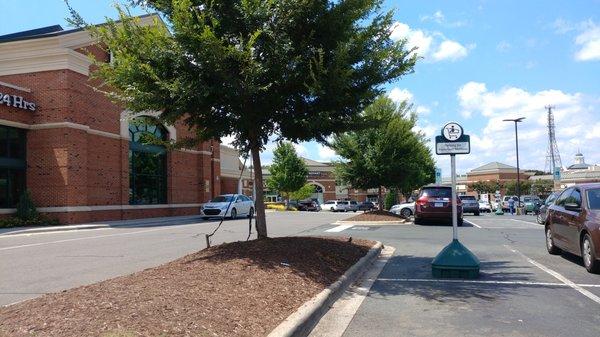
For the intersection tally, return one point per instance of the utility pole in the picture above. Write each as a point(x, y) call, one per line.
point(516, 121)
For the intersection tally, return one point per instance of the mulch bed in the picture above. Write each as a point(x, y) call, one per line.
point(234, 289)
point(377, 215)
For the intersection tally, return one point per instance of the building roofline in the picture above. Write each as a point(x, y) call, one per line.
point(52, 31)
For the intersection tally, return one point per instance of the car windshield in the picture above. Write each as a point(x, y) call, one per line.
point(593, 197)
point(222, 198)
point(437, 192)
point(467, 197)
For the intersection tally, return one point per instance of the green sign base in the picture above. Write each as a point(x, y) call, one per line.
point(455, 261)
point(499, 211)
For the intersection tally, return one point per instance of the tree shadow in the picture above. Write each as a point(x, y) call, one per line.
point(411, 276)
point(322, 260)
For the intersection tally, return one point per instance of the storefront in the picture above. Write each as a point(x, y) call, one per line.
point(79, 155)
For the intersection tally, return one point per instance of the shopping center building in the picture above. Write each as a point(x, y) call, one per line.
point(80, 155)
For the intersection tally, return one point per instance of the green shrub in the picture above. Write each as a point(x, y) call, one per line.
point(26, 208)
point(390, 199)
point(27, 215)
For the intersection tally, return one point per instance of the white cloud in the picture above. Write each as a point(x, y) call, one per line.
point(450, 50)
point(588, 42)
point(227, 140)
point(561, 26)
point(399, 95)
point(438, 17)
point(423, 110)
point(300, 149)
point(432, 47)
point(576, 121)
point(326, 153)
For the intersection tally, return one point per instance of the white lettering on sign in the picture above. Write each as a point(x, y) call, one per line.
point(453, 148)
point(16, 102)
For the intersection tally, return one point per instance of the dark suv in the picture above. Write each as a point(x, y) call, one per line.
point(433, 203)
point(469, 204)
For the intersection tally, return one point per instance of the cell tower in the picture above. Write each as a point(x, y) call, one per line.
point(552, 157)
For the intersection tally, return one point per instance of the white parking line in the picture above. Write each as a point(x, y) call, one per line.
point(339, 228)
point(557, 276)
point(472, 223)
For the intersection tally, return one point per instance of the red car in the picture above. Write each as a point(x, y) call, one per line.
point(433, 204)
point(573, 224)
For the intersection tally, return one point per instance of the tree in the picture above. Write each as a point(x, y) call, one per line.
point(288, 172)
point(391, 155)
point(303, 193)
point(484, 187)
point(296, 70)
point(542, 187)
point(511, 187)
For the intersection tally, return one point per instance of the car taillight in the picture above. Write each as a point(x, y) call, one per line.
point(422, 201)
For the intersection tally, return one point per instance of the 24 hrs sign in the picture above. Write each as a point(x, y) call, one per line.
point(16, 102)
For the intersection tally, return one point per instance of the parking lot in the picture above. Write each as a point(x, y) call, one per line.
point(522, 291)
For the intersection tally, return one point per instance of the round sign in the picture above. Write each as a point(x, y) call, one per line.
point(452, 131)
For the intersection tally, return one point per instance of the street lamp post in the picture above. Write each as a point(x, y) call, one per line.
point(516, 121)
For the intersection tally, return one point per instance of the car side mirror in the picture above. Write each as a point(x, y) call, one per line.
point(573, 207)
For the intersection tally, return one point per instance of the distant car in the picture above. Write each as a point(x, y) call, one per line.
point(485, 207)
point(469, 204)
point(505, 199)
point(573, 224)
point(543, 212)
point(308, 205)
point(531, 203)
point(228, 205)
point(435, 203)
point(405, 209)
point(366, 206)
point(351, 206)
point(335, 206)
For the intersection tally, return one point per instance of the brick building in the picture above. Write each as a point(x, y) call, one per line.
point(80, 155)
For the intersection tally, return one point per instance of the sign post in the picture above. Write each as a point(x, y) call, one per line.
point(455, 260)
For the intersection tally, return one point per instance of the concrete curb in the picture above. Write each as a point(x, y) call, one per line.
point(303, 320)
point(112, 224)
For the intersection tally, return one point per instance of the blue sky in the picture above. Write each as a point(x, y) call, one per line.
point(482, 61)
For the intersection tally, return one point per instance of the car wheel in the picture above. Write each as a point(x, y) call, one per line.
point(406, 212)
point(332, 210)
point(476, 213)
point(459, 222)
point(539, 219)
point(589, 256)
point(552, 249)
point(233, 214)
point(354, 211)
point(251, 212)
point(418, 221)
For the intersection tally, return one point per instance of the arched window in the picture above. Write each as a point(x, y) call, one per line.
point(147, 162)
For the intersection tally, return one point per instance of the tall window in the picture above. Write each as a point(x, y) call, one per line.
point(12, 165)
point(147, 163)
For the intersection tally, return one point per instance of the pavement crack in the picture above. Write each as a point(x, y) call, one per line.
point(507, 237)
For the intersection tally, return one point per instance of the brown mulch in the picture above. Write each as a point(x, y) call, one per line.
point(376, 216)
point(234, 289)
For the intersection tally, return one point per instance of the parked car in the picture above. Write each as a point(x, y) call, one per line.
point(366, 206)
point(228, 205)
point(531, 203)
point(434, 203)
point(406, 209)
point(335, 206)
point(469, 204)
point(308, 205)
point(573, 224)
point(543, 212)
point(485, 207)
point(351, 206)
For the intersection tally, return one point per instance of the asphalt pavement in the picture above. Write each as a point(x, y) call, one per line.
point(32, 264)
point(522, 291)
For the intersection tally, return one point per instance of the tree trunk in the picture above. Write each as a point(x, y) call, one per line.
point(380, 199)
point(259, 203)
